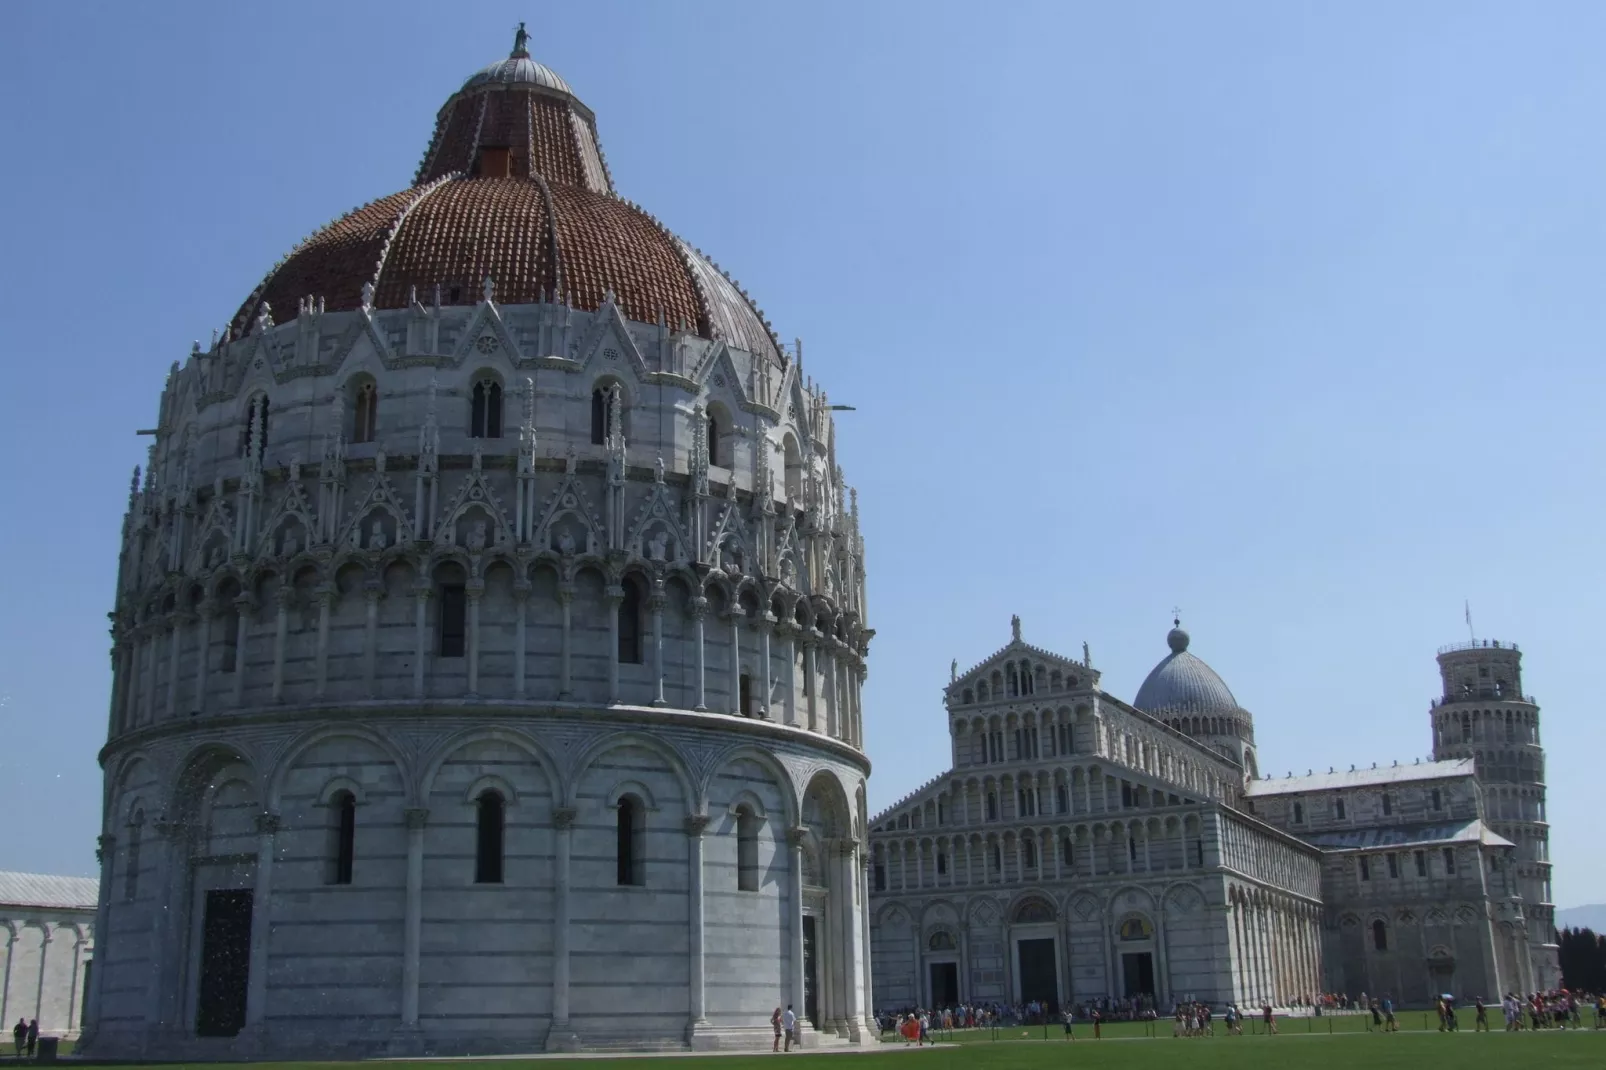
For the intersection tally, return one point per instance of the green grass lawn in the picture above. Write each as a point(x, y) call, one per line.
point(1407, 1050)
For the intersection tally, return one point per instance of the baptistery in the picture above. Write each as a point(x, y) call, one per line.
point(488, 641)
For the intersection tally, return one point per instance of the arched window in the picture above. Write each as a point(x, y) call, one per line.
point(1380, 935)
point(365, 412)
point(485, 420)
point(632, 842)
point(1066, 852)
point(606, 403)
point(1062, 799)
point(256, 424)
point(746, 850)
point(715, 458)
point(453, 620)
point(1030, 852)
point(231, 636)
point(630, 623)
point(131, 862)
point(491, 818)
point(998, 858)
point(992, 806)
point(345, 837)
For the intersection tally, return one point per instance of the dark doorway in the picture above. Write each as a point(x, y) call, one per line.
point(811, 991)
point(1038, 979)
point(1137, 972)
point(225, 964)
point(89, 986)
point(944, 984)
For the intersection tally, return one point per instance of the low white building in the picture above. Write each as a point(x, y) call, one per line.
point(49, 927)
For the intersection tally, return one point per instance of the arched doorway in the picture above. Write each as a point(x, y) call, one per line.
point(831, 970)
point(1034, 940)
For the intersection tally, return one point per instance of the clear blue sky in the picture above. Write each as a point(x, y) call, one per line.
point(1290, 315)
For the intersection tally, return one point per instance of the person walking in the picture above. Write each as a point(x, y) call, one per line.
point(789, 1027)
point(1482, 1024)
point(775, 1021)
point(19, 1035)
point(1270, 1019)
point(33, 1036)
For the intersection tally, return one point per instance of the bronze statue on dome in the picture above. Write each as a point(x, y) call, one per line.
point(520, 40)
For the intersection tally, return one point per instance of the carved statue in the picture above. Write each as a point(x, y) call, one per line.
point(376, 537)
point(788, 571)
point(216, 557)
point(658, 546)
point(520, 41)
point(291, 544)
point(565, 542)
point(476, 536)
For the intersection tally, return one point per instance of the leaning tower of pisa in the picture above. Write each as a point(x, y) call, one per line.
point(1483, 714)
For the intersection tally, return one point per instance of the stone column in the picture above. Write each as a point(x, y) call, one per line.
point(852, 872)
point(566, 601)
point(736, 660)
point(174, 890)
point(123, 662)
point(421, 596)
point(794, 839)
point(475, 592)
point(791, 674)
point(152, 641)
point(833, 716)
point(612, 597)
point(74, 1004)
point(656, 603)
point(282, 597)
point(326, 600)
point(372, 591)
point(49, 934)
point(413, 921)
point(175, 621)
point(561, 1037)
point(203, 655)
point(765, 626)
point(699, 611)
point(812, 682)
point(245, 608)
point(866, 977)
point(256, 1000)
point(105, 852)
point(521, 604)
point(698, 1020)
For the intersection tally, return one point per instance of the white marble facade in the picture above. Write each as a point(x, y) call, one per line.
point(1081, 848)
point(47, 951)
point(487, 678)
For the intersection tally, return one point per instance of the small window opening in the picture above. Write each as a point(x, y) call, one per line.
point(491, 817)
point(231, 638)
point(630, 842)
point(942, 863)
point(485, 420)
point(1380, 935)
point(746, 850)
point(1438, 800)
point(1338, 808)
point(345, 830)
point(1299, 813)
point(1394, 865)
point(714, 457)
point(1366, 869)
point(1030, 851)
point(131, 863)
point(1388, 804)
point(366, 413)
point(630, 624)
point(454, 620)
point(1421, 863)
point(1449, 860)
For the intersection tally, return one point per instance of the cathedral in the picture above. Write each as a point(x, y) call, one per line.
point(488, 642)
point(1083, 848)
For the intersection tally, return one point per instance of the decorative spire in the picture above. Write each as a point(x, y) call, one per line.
point(527, 429)
point(429, 436)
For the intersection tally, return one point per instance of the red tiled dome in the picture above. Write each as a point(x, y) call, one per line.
point(514, 188)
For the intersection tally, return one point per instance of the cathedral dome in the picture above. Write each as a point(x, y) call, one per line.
point(512, 188)
point(1182, 683)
